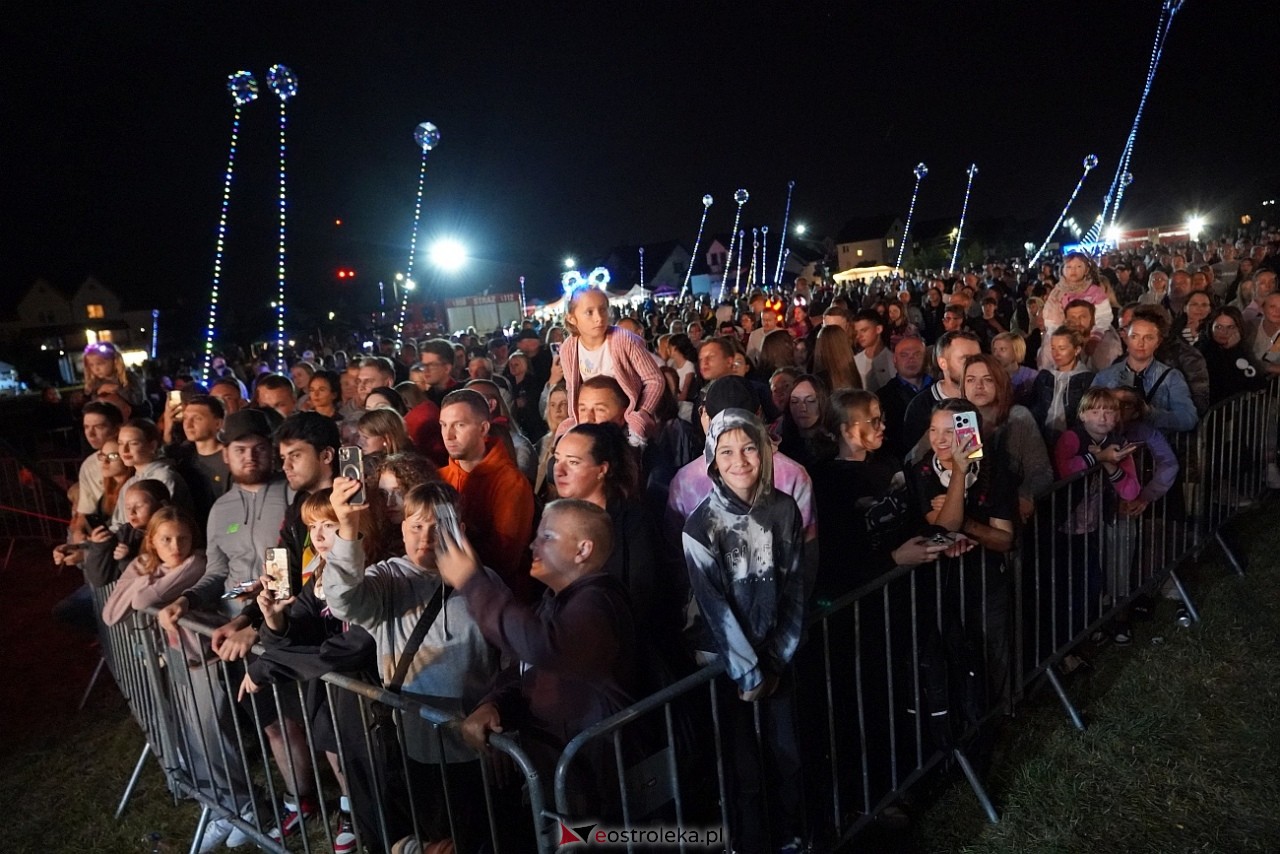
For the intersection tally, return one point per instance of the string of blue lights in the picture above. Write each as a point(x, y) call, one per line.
point(284, 83)
point(427, 136)
point(697, 241)
point(920, 171)
point(243, 89)
point(739, 196)
point(782, 243)
point(1089, 163)
point(964, 209)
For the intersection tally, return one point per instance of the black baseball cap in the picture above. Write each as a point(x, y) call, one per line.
point(243, 424)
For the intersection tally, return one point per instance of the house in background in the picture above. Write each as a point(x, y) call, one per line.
point(47, 319)
point(868, 242)
point(665, 265)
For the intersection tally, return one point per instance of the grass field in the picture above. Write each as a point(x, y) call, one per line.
point(1182, 751)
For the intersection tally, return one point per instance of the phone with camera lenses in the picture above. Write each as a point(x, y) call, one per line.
point(351, 464)
point(966, 427)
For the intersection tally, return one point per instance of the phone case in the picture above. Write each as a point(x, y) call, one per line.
point(966, 425)
point(351, 464)
point(276, 568)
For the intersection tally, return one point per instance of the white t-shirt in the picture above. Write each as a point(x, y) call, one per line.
point(594, 362)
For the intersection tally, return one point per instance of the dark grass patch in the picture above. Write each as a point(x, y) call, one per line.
point(1182, 751)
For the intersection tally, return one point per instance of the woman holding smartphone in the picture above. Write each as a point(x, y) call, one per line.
point(971, 500)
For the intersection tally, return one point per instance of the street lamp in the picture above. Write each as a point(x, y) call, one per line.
point(801, 228)
point(448, 254)
point(570, 262)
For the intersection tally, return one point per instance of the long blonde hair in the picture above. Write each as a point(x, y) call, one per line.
point(148, 559)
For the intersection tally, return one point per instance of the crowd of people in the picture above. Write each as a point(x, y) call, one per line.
point(554, 520)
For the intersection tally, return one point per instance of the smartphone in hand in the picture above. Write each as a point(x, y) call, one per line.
point(351, 464)
point(276, 569)
point(966, 427)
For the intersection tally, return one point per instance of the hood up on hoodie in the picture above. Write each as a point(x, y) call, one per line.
point(726, 421)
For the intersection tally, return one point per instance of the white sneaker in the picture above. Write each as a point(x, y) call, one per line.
point(216, 832)
point(237, 837)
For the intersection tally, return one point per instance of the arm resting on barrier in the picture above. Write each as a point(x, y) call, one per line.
point(996, 535)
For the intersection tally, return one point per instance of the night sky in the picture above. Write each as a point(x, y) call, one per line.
point(573, 129)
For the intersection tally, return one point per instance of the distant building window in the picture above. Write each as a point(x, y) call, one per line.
point(96, 311)
point(717, 259)
point(890, 242)
point(859, 253)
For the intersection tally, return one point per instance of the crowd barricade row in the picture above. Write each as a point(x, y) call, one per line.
point(911, 671)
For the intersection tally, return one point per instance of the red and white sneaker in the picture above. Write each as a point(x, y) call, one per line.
point(293, 817)
point(344, 835)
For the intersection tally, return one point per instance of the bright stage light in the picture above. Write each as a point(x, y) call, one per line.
point(801, 228)
point(1195, 225)
point(1114, 234)
point(570, 262)
point(448, 254)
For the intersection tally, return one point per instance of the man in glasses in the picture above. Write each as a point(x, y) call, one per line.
point(436, 358)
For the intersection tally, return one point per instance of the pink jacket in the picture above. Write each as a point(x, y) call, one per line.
point(137, 590)
point(633, 368)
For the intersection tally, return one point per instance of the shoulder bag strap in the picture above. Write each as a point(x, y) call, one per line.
point(415, 640)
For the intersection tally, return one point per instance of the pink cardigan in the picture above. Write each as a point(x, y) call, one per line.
point(137, 590)
point(633, 368)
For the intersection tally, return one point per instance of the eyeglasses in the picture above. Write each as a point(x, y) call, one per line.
point(108, 458)
point(876, 423)
point(433, 364)
point(1225, 327)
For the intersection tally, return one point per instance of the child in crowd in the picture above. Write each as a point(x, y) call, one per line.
point(1080, 280)
point(108, 555)
point(597, 348)
point(167, 564)
point(744, 546)
point(302, 640)
point(1093, 527)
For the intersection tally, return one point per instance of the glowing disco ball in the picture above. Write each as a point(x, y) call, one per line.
point(427, 136)
point(920, 171)
point(243, 87)
point(282, 81)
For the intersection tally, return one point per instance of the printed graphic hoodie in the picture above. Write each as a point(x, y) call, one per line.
point(746, 566)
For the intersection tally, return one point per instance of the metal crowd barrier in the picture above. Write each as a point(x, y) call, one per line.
point(228, 754)
point(914, 669)
point(33, 500)
point(909, 672)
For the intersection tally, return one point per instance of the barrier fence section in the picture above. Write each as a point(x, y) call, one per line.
point(33, 500)
point(911, 671)
point(285, 755)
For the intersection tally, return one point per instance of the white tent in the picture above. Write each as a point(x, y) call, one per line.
point(635, 296)
point(865, 274)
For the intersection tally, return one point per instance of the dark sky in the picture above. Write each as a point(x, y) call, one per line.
point(571, 128)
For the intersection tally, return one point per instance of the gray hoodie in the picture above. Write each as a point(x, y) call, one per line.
point(452, 669)
point(242, 526)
